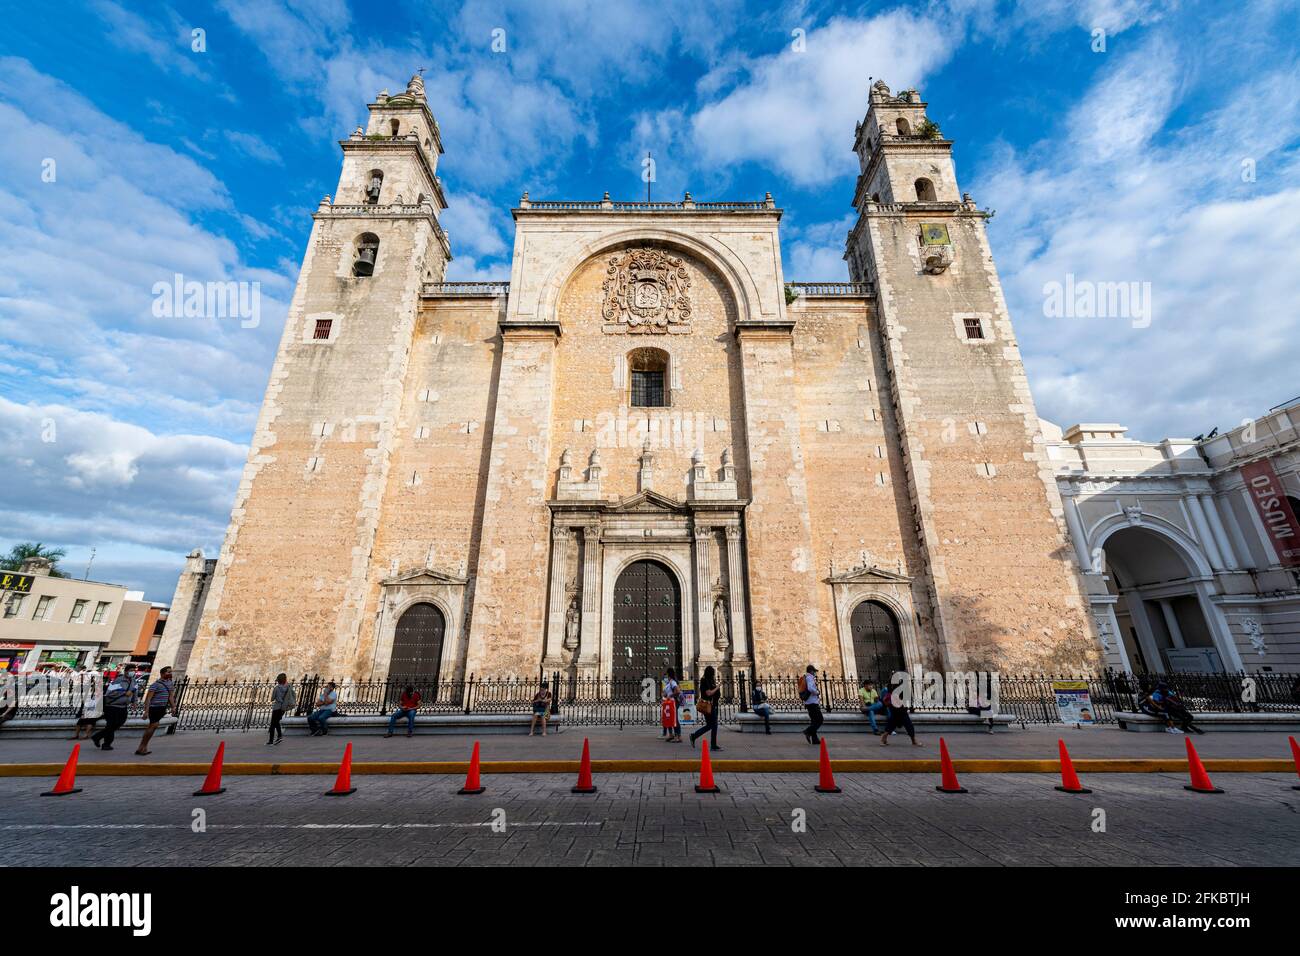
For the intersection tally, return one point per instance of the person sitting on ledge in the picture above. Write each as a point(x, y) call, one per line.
point(326, 704)
point(760, 706)
point(407, 705)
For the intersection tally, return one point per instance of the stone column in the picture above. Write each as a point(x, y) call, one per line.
point(589, 649)
point(1075, 524)
point(1203, 532)
point(783, 584)
point(510, 575)
point(1171, 622)
point(705, 651)
point(1220, 533)
point(559, 603)
point(736, 593)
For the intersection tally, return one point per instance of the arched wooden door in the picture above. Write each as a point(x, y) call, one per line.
point(877, 643)
point(647, 624)
point(417, 645)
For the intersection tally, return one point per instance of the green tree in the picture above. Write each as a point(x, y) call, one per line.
point(27, 549)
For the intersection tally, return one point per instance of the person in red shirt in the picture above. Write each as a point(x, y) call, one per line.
point(407, 705)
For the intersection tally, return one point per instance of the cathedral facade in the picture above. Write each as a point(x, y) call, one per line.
point(647, 449)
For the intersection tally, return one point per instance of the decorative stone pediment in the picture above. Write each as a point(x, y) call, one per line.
point(414, 577)
point(650, 502)
point(646, 290)
point(867, 575)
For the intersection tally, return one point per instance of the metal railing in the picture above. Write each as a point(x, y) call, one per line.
point(225, 705)
point(832, 288)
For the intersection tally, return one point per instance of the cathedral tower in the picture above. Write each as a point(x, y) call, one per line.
point(290, 586)
point(1005, 588)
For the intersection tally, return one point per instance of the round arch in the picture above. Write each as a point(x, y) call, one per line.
point(1186, 548)
point(718, 258)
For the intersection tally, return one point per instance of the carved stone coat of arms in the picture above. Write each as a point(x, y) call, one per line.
point(646, 290)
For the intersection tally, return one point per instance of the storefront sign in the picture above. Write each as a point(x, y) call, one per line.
point(1265, 492)
point(10, 581)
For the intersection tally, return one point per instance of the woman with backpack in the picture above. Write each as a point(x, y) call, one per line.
point(898, 715)
point(812, 701)
point(707, 707)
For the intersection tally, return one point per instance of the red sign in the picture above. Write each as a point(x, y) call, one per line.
point(1280, 524)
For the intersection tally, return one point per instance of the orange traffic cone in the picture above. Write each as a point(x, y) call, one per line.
point(472, 785)
point(950, 784)
point(826, 779)
point(1295, 755)
point(706, 784)
point(584, 771)
point(1069, 779)
point(67, 778)
point(1200, 779)
point(343, 785)
point(212, 785)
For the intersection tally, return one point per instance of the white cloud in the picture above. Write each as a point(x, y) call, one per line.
point(1122, 198)
point(796, 111)
point(82, 479)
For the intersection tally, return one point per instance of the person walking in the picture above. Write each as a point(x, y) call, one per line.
point(159, 699)
point(669, 702)
point(326, 703)
point(759, 705)
point(812, 701)
point(283, 698)
point(118, 697)
point(870, 703)
point(707, 707)
point(898, 716)
point(541, 708)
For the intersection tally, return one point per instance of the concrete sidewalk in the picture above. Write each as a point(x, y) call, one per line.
point(644, 743)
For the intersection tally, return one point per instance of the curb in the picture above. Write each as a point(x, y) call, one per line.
point(1102, 765)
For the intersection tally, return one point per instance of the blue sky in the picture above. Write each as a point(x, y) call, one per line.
point(126, 431)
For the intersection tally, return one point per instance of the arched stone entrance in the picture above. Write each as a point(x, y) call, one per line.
point(417, 644)
point(647, 624)
point(1159, 605)
point(877, 641)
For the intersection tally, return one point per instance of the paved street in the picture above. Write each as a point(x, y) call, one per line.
point(656, 819)
point(644, 742)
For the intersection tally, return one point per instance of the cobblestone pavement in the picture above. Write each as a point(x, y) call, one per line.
point(644, 742)
point(655, 819)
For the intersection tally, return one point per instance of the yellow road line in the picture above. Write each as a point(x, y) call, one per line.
point(1083, 765)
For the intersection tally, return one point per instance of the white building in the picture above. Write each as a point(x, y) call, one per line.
point(1191, 550)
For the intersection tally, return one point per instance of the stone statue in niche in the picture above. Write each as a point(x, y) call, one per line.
point(721, 625)
point(572, 625)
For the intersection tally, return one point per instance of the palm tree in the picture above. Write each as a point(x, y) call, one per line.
point(19, 553)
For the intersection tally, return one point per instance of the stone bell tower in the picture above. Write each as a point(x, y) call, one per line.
point(307, 509)
point(1005, 589)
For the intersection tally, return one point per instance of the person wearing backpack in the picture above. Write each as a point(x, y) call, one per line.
point(283, 699)
point(813, 702)
point(118, 697)
point(898, 716)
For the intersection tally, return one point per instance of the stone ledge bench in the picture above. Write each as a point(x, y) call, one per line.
point(428, 724)
point(1145, 723)
point(65, 727)
point(784, 721)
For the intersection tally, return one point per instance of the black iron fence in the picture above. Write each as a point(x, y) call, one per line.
point(221, 705)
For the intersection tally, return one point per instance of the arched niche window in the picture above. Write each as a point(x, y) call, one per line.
point(925, 191)
point(875, 197)
point(394, 125)
point(367, 253)
point(373, 186)
point(904, 128)
point(648, 375)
